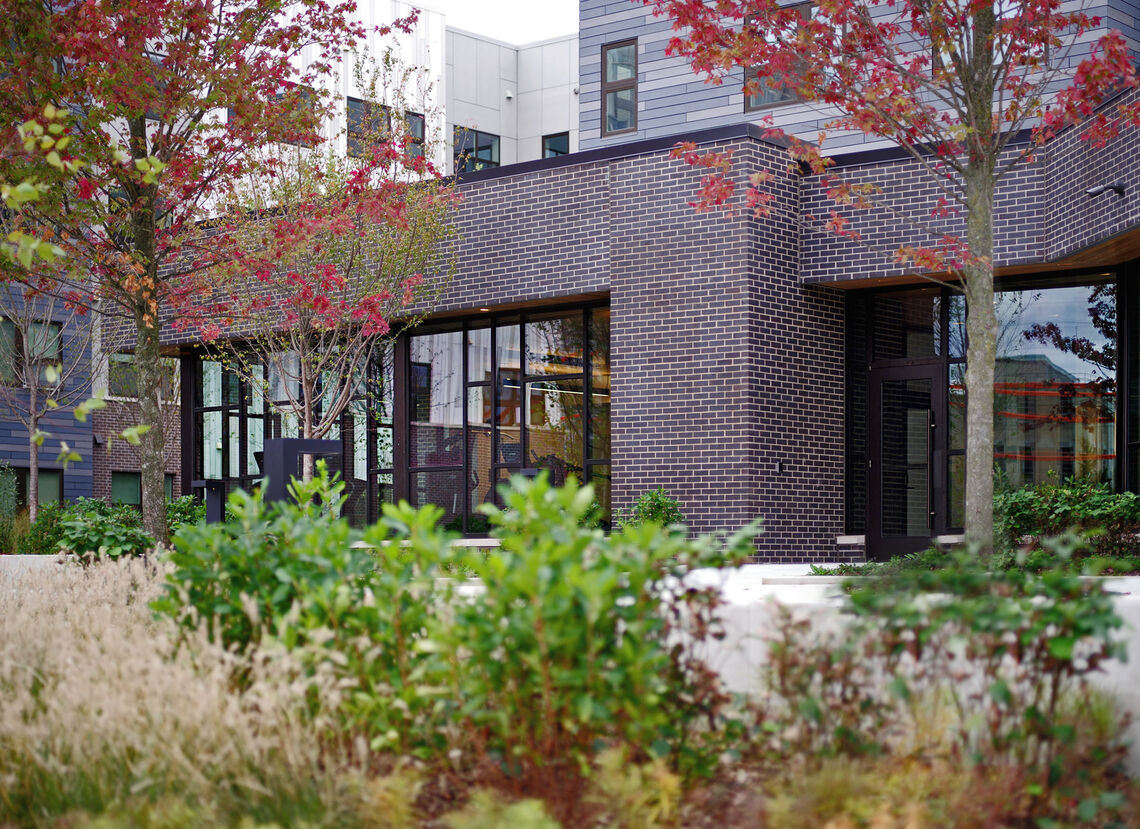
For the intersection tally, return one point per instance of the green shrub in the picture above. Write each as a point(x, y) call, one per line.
point(1029, 638)
point(572, 643)
point(44, 535)
point(9, 516)
point(575, 640)
point(1052, 507)
point(92, 529)
point(291, 574)
point(185, 509)
point(654, 505)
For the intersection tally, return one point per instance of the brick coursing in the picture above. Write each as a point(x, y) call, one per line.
point(903, 215)
point(113, 454)
point(724, 365)
point(1042, 214)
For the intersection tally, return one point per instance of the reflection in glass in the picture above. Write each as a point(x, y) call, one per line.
point(908, 324)
point(956, 332)
point(905, 501)
point(210, 392)
point(1055, 384)
point(600, 480)
point(621, 63)
point(445, 490)
point(600, 383)
point(212, 445)
point(555, 344)
point(385, 488)
point(621, 110)
point(554, 424)
point(479, 354)
point(435, 399)
point(956, 489)
point(384, 448)
point(956, 402)
point(479, 446)
point(382, 392)
point(358, 412)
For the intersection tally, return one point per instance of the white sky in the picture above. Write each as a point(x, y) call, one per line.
point(513, 21)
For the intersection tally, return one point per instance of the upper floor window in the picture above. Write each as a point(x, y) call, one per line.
point(122, 377)
point(475, 150)
point(619, 87)
point(762, 93)
point(555, 145)
point(45, 341)
point(368, 122)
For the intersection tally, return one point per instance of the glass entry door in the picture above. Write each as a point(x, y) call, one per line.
point(905, 410)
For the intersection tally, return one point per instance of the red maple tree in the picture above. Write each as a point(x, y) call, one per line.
point(197, 96)
point(957, 84)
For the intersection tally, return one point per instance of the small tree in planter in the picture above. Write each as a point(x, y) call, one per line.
point(335, 249)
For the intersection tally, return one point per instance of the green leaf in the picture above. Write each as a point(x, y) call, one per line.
point(1113, 800)
point(1000, 693)
point(898, 688)
point(1061, 647)
point(1086, 810)
point(67, 455)
point(89, 405)
point(54, 160)
point(133, 434)
point(809, 708)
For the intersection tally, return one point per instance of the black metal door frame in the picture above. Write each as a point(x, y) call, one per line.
point(878, 545)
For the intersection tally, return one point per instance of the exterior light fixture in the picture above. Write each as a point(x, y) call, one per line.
point(1101, 189)
point(484, 309)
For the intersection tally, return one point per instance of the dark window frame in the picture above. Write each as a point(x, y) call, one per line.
point(374, 117)
point(392, 481)
point(619, 85)
point(548, 151)
point(468, 137)
point(168, 391)
point(14, 350)
point(167, 486)
point(502, 464)
point(750, 74)
point(21, 474)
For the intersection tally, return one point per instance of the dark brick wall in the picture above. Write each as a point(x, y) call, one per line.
point(1042, 215)
point(113, 454)
point(1072, 219)
point(902, 215)
point(532, 237)
point(725, 365)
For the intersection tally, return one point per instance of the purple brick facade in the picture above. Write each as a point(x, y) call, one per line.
point(739, 377)
point(1044, 218)
point(727, 371)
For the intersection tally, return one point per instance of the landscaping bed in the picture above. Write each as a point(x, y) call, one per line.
point(272, 671)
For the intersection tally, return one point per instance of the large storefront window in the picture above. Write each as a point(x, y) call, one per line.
point(449, 413)
point(493, 397)
point(1055, 384)
point(1055, 400)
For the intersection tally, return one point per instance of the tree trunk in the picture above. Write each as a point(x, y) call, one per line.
point(308, 465)
point(981, 332)
point(152, 454)
point(33, 461)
